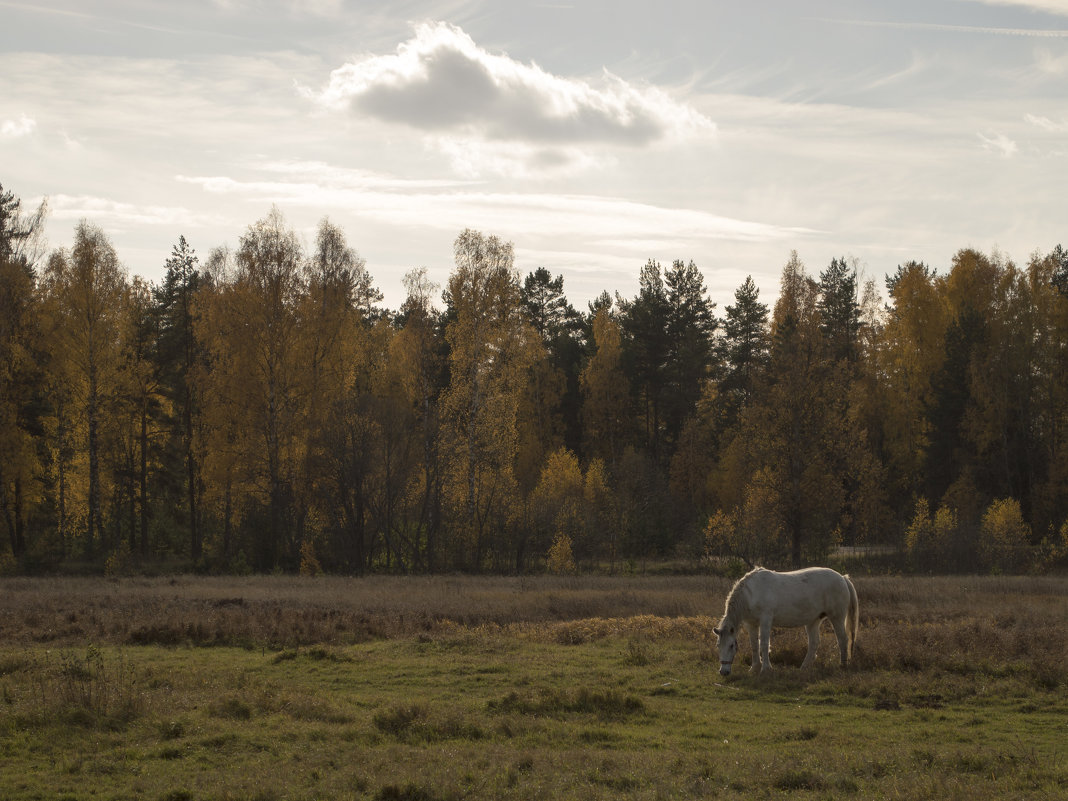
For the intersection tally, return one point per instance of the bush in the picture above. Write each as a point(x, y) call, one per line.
point(1004, 537)
point(89, 690)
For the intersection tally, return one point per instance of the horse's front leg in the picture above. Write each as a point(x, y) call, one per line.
point(754, 646)
point(765, 645)
point(813, 643)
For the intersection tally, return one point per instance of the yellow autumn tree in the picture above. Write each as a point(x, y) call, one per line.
point(331, 368)
point(909, 353)
point(22, 374)
point(606, 411)
point(256, 387)
point(558, 504)
point(492, 347)
point(87, 286)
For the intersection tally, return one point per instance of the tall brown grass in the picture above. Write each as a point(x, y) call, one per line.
point(1002, 625)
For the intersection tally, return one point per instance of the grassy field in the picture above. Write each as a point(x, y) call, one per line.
point(464, 688)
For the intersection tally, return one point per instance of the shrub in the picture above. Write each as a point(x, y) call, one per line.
point(89, 690)
point(1004, 537)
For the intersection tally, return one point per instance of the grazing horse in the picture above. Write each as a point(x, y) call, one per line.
point(763, 598)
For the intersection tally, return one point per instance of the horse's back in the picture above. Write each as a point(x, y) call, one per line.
point(798, 597)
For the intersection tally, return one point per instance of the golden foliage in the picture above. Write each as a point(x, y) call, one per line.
point(1004, 536)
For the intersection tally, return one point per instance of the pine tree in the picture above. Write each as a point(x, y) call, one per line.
point(840, 311)
point(180, 354)
point(646, 348)
point(745, 347)
point(691, 324)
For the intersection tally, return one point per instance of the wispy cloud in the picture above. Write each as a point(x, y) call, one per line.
point(1042, 33)
point(116, 213)
point(592, 217)
point(1046, 124)
point(1047, 6)
point(1000, 144)
point(14, 129)
point(442, 83)
point(474, 158)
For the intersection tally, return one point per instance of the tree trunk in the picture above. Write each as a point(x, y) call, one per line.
point(94, 523)
point(144, 483)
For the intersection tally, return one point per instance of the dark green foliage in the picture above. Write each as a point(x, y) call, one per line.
point(744, 347)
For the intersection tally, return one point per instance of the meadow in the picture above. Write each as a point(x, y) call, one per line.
point(440, 688)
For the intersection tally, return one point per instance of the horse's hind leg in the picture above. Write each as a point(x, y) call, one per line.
point(813, 643)
point(843, 639)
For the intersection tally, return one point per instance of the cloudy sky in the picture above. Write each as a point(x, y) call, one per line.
point(593, 135)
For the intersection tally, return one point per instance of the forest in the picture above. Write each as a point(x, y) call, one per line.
point(259, 410)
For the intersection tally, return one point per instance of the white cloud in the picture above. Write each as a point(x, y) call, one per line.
point(1046, 124)
point(441, 81)
point(1051, 63)
point(1041, 33)
point(591, 217)
point(1047, 6)
point(14, 129)
point(1000, 144)
point(475, 158)
point(116, 213)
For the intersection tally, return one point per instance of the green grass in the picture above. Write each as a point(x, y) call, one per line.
point(501, 717)
point(953, 701)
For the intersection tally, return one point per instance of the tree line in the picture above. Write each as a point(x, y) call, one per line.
point(261, 410)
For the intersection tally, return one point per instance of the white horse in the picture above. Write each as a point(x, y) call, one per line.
point(763, 598)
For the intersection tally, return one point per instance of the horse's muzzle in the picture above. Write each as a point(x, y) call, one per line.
point(724, 668)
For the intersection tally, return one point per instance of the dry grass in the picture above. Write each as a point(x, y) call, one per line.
point(286, 611)
point(996, 624)
point(520, 688)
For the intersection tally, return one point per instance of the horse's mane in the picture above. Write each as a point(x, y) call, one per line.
point(738, 597)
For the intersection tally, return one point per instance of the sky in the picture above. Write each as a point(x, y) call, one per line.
point(592, 135)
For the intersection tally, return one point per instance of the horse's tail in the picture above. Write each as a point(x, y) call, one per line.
point(853, 616)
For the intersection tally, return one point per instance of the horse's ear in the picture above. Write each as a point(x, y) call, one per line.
point(716, 631)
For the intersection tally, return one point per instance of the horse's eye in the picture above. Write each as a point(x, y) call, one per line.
point(732, 629)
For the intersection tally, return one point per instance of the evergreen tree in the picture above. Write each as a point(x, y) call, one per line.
point(840, 311)
point(646, 347)
point(180, 354)
point(745, 347)
point(690, 326)
point(560, 328)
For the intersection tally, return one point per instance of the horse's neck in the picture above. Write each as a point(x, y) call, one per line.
point(737, 605)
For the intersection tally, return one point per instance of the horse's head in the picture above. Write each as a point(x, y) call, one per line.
point(728, 646)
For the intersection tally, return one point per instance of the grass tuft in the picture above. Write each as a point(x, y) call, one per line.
point(605, 704)
point(795, 779)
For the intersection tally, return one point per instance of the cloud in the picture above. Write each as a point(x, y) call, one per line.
point(1042, 33)
point(1046, 124)
point(14, 129)
point(593, 218)
point(1046, 6)
point(442, 82)
point(474, 158)
point(1000, 144)
point(116, 213)
point(1050, 63)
